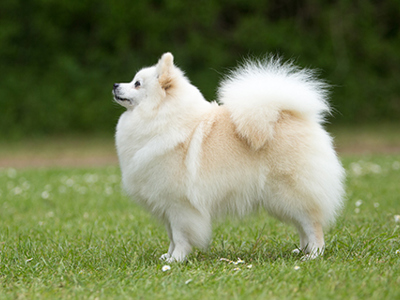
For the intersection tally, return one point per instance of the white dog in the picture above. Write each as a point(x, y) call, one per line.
point(188, 160)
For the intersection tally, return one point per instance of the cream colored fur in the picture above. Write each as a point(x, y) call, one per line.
point(189, 161)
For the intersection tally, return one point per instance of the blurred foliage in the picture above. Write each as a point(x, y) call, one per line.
point(59, 58)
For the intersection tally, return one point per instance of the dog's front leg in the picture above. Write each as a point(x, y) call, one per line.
point(187, 228)
point(180, 246)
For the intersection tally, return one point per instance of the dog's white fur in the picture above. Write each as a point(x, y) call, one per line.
point(188, 160)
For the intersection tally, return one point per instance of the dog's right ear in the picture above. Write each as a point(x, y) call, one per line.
point(165, 71)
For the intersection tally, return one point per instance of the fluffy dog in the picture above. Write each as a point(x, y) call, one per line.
point(188, 160)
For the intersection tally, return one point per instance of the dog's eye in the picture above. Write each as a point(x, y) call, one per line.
point(137, 84)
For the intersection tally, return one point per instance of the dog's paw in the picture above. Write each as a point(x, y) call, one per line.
point(311, 256)
point(173, 259)
point(308, 257)
point(170, 260)
point(165, 256)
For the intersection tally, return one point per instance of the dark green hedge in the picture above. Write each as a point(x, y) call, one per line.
point(59, 58)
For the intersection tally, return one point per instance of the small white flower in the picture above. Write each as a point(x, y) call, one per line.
point(356, 168)
point(50, 214)
point(397, 251)
point(188, 281)
point(249, 266)
point(91, 178)
point(376, 204)
point(357, 210)
point(396, 165)
point(12, 173)
point(236, 269)
point(45, 195)
point(375, 168)
point(397, 218)
point(224, 259)
point(296, 268)
point(28, 260)
point(69, 182)
point(17, 190)
point(165, 268)
point(239, 261)
point(358, 203)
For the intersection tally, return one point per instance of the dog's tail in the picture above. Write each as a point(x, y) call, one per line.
point(259, 91)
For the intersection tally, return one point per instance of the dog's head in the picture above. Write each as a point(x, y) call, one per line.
point(153, 83)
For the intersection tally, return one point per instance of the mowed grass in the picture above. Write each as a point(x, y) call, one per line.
point(72, 234)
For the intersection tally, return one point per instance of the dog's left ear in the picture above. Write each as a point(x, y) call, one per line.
point(164, 71)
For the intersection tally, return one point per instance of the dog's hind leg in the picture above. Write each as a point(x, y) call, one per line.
point(311, 238)
point(171, 248)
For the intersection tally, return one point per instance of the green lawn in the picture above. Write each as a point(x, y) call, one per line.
point(71, 233)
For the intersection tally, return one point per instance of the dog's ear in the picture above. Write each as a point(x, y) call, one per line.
point(165, 68)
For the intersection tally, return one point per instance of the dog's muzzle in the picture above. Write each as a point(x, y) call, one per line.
point(115, 93)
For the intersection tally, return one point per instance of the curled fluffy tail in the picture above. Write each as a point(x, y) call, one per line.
point(257, 92)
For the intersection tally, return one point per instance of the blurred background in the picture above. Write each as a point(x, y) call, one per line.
point(60, 58)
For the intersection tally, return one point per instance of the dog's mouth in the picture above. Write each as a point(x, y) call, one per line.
point(121, 100)
point(117, 98)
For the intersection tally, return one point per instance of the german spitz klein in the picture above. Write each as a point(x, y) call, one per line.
point(188, 160)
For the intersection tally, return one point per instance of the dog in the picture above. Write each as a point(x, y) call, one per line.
point(189, 161)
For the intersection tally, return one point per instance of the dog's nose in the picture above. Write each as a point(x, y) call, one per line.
point(116, 85)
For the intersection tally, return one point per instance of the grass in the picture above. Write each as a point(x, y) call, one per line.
point(71, 233)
